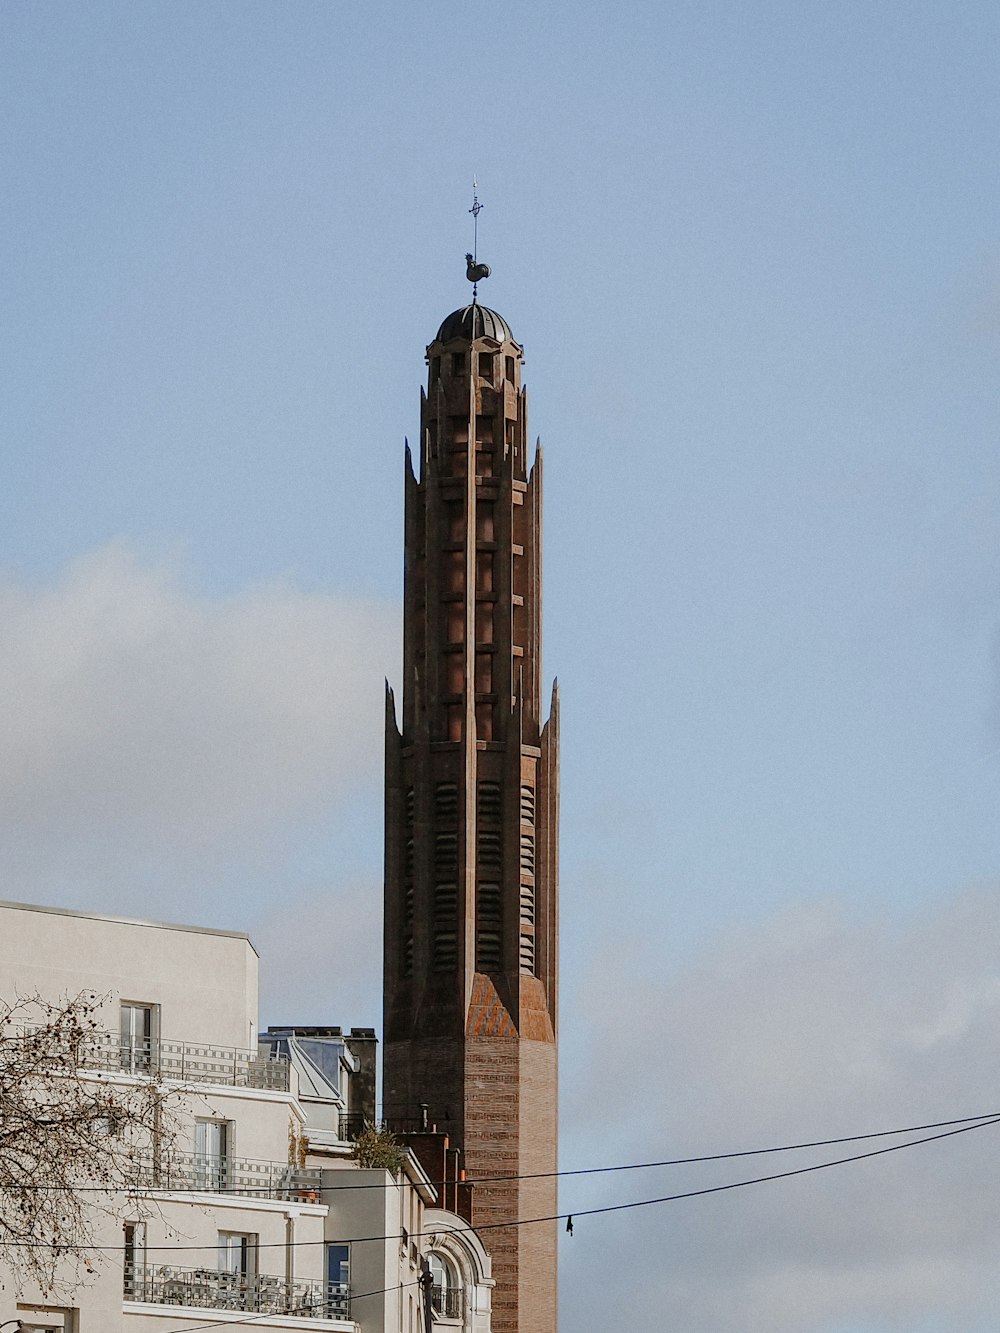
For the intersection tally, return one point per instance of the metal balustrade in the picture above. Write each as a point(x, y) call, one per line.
point(190, 1062)
point(231, 1175)
point(212, 1289)
point(447, 1301)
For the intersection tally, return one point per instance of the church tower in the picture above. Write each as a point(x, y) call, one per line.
point(472, 812)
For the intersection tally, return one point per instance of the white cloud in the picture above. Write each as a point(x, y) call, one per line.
point(162, 747)
point(818, 1025)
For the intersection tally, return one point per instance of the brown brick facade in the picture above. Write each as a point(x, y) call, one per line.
point(471, 850)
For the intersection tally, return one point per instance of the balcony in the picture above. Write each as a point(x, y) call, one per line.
point(231, 1175)
point(447, 1301)
point(211, 1289)
point(189, 1062)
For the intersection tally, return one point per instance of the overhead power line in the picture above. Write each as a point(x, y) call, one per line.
point(575, 1213)
point(547, 1175)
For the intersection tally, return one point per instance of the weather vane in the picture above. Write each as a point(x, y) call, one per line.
point(475, 271)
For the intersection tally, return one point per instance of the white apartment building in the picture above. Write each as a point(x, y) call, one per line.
point(251, 1225)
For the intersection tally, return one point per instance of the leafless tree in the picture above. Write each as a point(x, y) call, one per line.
point(71, 1140)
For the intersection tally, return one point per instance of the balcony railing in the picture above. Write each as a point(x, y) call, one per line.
point(191, 1062)
point(210, 1289)
point(232, 1175)
point(447, 1301)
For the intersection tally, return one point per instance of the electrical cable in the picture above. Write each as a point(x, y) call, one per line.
point(544, 1175)
point(574, 1213)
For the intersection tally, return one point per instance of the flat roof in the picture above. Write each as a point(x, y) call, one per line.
point(132, 921)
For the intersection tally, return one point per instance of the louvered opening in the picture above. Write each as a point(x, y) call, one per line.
point(526, 953)
point(528, 805)
point(446, 801)
point(527, 905)
point(528, 854)
point(490, 803)
point(490, 852)
point(445, 855)
point(406, 947)
point(445, 951)
point(489, 928)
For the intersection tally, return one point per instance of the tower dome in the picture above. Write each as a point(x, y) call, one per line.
point(474, 321)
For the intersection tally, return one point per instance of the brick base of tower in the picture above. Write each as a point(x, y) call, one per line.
point(504, 1118)
point(510, 1110)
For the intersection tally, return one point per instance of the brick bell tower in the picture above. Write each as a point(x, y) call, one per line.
point(472, 811)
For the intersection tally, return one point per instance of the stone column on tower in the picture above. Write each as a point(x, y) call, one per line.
point(471, 813)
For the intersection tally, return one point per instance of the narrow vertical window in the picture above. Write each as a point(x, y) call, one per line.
point(135, 1260)
point(338, 1278)
point(237, 1255)
point(211, 1154)
point(136, 1037)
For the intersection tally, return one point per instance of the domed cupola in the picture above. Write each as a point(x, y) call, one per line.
point(474, 321)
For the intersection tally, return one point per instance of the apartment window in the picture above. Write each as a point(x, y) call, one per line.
point(135, 1260)
point(458, 363)
point(211, 1154)
point(238, 1253)
point(136, 1034)
point(446, 1291)
point(486, 366)
point(338, 1265)
point(509, 361)
point(35, 1320)
point(338, 1281)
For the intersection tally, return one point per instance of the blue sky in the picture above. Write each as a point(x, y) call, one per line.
point(752, 253)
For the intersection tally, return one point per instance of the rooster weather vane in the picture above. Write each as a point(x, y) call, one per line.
point(475, 271)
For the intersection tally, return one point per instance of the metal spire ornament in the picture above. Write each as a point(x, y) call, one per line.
point(475, 271)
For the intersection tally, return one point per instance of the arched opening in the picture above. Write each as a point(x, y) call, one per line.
point(446, 1291)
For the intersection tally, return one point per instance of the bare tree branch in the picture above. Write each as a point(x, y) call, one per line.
point(70, 1141)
